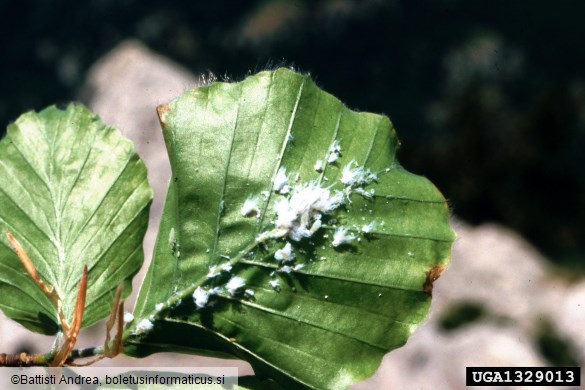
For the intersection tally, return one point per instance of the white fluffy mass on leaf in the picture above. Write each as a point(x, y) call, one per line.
point(250, 208)
point(128, 317)
point(285, 254)
point(144, 326)
point(299, 215)
point(341, 237)
point(281, 182)
point(354, 177)
point(335, 152)
point(234, 284)
point(200, 297)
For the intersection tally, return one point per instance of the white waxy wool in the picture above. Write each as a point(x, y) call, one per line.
point(250, 208)
point(285, 269)
point(335, 147)
point(334, 152)
point(281, 182)
point(296, 215)
point(298, 267)
point(234, 284)
point(200, 297)
point(128, 317)
point(285, 215)
point(274, 283)
point(354, 177)
point(318, 165)
point(249, 292)
point(285, 254)
point(332, 158)
point(369, 227)
point(227, 267)
point(213, 271)
point(144, 326)
point(341, 237)
point(158, 306)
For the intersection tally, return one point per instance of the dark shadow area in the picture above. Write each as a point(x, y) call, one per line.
point(488, 97)
point(554, 346)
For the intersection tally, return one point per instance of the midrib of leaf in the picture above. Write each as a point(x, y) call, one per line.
point(188, 292)
point(221, 205)
point(50, 179)
point(285, 142)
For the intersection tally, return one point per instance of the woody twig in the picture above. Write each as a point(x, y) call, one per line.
point(70, 331)
point(71, 335)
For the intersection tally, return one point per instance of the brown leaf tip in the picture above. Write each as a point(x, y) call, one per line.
point(162, 111)
point(432, 275)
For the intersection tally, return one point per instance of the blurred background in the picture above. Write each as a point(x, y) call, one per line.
point(488, 99)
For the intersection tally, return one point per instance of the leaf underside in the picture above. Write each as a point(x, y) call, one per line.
point(328, 324)
point(73, 192)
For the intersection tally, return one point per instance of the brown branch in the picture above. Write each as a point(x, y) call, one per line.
point(70, 332)
point(71, 336)
point(116, 314)
point(22, 360)
point(112, 320)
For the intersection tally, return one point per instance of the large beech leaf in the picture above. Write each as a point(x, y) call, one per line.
point(326, 321)
point(73, 192)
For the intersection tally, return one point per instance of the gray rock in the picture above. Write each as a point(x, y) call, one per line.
point(124, 88)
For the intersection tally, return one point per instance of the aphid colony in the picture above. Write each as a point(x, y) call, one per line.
point(299, 211)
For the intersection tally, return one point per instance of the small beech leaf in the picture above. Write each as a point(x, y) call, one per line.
point(73, 192)
point(291, 236)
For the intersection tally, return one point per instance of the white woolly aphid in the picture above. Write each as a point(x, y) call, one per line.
point(318, 165)
point(143, 326)
point(275, 284)
point(213, 272)
point(158, 306)
point(300, 215)
point(285, 254)
point(354, 177)
point(234, 284)
point(200, 297)
point(250, 208)
point(341, 237)
point(298, 267)
point(281, 182)
point(366, 229)
point(128, 317)
point(334, 152)
point(285, 269)
point(227, 267)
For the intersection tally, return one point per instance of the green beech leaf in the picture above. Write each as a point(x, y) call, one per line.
point(368, 238)
point(73, 192)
